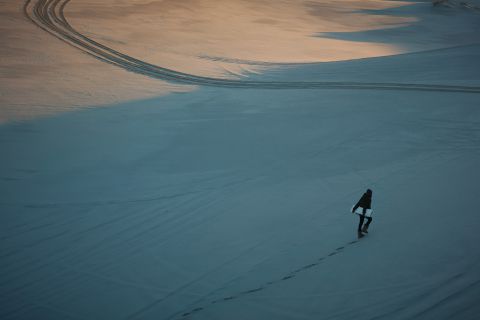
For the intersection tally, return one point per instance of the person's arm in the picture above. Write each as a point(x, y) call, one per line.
point(357, 205)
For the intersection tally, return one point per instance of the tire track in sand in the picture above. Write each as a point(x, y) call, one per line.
point(49, 16)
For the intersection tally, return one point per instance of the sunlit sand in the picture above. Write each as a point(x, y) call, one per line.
point(41, 75)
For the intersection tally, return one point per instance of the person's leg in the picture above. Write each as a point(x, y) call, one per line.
point(362, 218)
point(369, 220)
point(365, 227)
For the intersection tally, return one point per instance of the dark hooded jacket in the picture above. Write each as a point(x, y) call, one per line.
point(365, 201)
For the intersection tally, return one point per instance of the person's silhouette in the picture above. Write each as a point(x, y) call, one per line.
point(365, 203)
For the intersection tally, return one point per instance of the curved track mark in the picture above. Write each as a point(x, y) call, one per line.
point(49, 16)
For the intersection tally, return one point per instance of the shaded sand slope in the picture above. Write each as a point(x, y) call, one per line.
point(456, 66)
point(234, 203)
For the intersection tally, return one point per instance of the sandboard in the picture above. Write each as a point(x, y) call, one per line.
point(359, 211)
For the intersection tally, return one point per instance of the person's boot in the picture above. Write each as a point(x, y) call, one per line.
point(360, 234)
point(365, 229)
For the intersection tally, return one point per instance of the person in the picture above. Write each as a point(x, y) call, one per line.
point(365, 203)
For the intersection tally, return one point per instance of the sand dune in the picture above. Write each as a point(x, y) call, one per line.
point(40, 75)
point(232, 200)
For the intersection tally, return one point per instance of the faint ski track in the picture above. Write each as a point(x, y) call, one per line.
point(49, 16)
point(97, 203)
point(263, 286)
point(287, 276)
point(61, 312)
point(136, 232)
point(253, 62)
point(186, 285)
